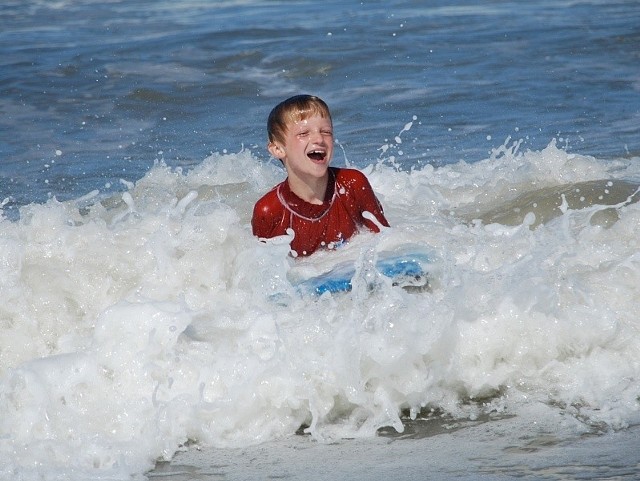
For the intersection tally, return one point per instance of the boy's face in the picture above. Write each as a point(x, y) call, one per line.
point(307, 147)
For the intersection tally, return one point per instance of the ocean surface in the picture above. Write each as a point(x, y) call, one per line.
point(144, 329)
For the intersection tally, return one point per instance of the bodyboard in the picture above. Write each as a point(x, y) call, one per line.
point(405, 270)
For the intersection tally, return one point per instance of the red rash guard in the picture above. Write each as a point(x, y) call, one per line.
point(348, 195)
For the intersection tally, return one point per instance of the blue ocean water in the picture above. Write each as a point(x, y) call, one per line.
point(113, 86)
point(137, 312)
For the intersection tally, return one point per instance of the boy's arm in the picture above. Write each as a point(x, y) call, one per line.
point(373, 206)
point(365, 199)
point(265, 217)
point(368, 202)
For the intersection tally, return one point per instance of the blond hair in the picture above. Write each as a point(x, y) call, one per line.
point(294, 109)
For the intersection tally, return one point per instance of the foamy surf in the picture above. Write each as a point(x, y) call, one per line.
point(136, 324)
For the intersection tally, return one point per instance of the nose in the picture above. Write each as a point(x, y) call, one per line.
point(317, 137)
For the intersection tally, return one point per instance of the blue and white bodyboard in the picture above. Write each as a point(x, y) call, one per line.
point(405, 270)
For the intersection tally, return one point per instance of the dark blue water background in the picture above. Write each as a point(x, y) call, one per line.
point(93, 92)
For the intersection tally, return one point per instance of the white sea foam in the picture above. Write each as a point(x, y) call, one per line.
point(133, 324)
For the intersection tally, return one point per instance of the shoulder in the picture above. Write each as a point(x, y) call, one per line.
point(351, 179)
point(350, 176)
point(344, 173)
point(268, 202)
point(266, 211)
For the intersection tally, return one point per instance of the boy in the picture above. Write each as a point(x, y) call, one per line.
point(323, 206)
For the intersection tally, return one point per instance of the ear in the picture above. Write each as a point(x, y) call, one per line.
point(276, 150)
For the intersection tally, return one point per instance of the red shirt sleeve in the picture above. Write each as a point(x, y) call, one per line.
point(267, 215)
point(360, 198)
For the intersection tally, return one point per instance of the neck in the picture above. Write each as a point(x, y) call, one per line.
point(311, 190)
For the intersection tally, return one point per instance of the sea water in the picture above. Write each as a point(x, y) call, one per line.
point(140, 317)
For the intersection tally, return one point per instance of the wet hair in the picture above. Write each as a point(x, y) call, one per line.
point(294, 109)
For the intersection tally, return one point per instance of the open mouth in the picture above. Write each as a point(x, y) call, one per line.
point(317, 155)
